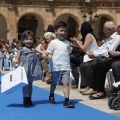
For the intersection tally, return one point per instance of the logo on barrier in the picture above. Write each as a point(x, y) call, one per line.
point(11, 78)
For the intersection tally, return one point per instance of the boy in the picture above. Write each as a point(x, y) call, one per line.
point(58, 52)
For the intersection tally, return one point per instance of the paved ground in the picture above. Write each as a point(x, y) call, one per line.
point(100, 104)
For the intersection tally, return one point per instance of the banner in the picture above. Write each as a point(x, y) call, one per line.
point(13, 80)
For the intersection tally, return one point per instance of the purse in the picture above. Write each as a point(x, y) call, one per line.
point(102, 59)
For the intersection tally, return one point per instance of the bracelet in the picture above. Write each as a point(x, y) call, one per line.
point(78, 42)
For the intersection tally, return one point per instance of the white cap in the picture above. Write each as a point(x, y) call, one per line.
point(49, 34)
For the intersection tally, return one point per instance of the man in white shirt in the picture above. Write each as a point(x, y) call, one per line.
point(87, 68)
point(116, 65)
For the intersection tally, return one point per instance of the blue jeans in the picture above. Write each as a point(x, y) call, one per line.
point(75, 62)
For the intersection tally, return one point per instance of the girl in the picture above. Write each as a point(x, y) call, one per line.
point(27, 57)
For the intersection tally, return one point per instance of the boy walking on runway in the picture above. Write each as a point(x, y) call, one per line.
point(58, 52)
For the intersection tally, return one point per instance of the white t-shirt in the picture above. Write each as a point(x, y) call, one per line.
point(60, 51)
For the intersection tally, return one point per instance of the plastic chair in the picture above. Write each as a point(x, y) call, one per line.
point(79, 80)
point(110, 79)
point(85, 59)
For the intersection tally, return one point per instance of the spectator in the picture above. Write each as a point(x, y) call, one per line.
point(50, 28)
point(116, 65)
point(39, 46)
point(102, 68)
point(1, 57)
point(87, 44)
point(47, 75)
point(111, 43)
point(13, 44)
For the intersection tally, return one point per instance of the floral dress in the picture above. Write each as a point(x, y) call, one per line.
point(31, 63)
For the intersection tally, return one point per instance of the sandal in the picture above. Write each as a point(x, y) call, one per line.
point(47, 77)
point(89, 92)
point(98, 95)
point(84, 89)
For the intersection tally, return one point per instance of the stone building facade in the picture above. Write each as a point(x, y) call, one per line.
point(17, 16)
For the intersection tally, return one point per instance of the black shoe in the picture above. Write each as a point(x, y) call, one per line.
point(25, 101)
point(52, 100)
point(49, 82)
point(29, 101)
point(69, 104)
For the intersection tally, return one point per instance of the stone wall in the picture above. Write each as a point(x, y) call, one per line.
point(49, 15)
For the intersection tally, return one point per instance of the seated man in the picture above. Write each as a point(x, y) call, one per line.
point(87, 69)
point(102, 68)
point(100, 71)
point(116, 65)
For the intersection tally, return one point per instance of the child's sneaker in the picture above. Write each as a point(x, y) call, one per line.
point(52, 100)
point(25, 101)
point(29, 101)
point(69, 104)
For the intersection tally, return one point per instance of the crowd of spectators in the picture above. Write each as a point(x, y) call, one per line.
point(93, 60)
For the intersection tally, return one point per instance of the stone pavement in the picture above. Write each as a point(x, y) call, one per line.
point(100, 104)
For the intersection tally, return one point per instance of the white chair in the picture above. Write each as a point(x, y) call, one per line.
point(85, 59)
point(110, 79)
point(71, 78)
point(79, 83)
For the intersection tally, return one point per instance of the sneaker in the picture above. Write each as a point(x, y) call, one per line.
point(29, 101)
point(52, 100)
point(69, 104)
point(25, 101)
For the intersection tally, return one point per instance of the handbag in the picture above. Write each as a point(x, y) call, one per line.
point(13, 80)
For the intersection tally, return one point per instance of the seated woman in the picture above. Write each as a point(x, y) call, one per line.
point(88, 43)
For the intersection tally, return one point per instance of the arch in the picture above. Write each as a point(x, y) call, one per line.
point(36, 13)
point(72, 24)
point(4, 27)
point(104, 16)
point(36, 22)
point(31, 13)
point(107, 14)
point(5, 19)
point(74, 15)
